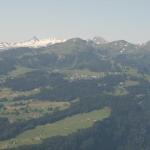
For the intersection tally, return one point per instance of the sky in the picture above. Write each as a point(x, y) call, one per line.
point(112, 19)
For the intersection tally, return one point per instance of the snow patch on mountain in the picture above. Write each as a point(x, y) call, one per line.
point(33, 43)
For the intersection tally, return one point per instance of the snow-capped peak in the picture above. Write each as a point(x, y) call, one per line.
point(32, 43)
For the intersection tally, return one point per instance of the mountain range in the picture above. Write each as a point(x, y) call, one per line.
point(34, 43)
point(37, 43)
point(75, 95)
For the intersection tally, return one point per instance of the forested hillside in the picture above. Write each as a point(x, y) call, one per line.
point(75, 95)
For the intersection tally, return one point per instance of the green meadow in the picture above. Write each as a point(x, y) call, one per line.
point(60, 128)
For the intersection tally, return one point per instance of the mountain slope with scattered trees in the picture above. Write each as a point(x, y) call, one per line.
point(42, 86)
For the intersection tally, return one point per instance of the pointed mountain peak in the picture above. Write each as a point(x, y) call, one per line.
point(99, 40)
point(34, 38)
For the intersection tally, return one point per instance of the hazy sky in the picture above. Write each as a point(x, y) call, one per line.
point(111, 19)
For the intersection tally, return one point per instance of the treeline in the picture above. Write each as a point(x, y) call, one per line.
point(90, 95)
point(127, 129)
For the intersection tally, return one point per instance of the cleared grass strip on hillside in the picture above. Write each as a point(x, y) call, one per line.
point(60, 128)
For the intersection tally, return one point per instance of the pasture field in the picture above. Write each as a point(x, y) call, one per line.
point(60, 128)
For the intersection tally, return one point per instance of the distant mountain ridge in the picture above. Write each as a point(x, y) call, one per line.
point(32, 43)
point(37, 43)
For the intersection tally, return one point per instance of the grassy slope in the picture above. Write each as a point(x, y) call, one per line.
point(59, 128)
